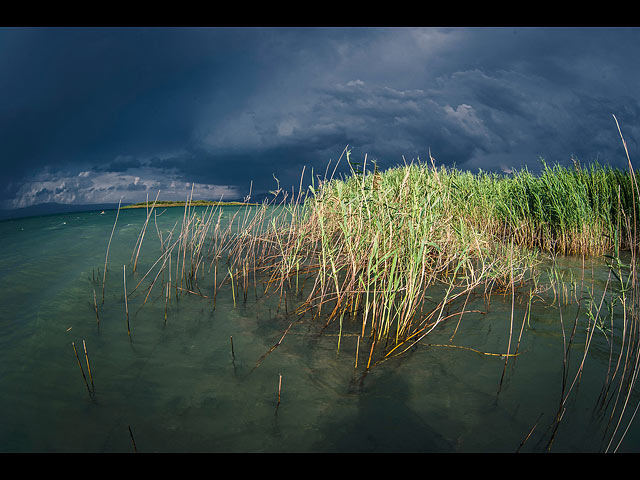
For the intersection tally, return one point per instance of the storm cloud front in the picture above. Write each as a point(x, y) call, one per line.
point(94, 115)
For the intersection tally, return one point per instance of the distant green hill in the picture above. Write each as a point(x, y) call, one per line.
point(53, 209)
point(182, 203)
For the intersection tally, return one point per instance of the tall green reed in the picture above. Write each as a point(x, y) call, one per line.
point(374, 248)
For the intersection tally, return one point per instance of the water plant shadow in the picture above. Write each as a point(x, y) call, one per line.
point(397, 429)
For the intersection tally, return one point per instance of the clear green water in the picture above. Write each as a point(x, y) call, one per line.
point(177, 387)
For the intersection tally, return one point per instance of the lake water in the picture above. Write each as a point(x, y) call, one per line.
point(174, 386)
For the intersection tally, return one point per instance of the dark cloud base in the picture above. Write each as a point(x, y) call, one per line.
point(230, 108)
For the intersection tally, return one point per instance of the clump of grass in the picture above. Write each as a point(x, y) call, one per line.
point(562, 210)
point(179, 203)
point(377, 242)
point(614, 312)
point(391, 255)
point(376, 248)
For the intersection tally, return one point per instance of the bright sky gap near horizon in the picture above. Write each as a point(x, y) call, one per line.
point(95, 115)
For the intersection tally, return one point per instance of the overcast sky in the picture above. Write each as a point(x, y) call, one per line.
point(91, 115)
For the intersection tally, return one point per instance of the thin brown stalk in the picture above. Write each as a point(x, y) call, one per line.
point(529, 434)
point(86, 356)
point(95, 306)
point(133, 441)
point(279, 387)
point(126, 304)
point(84, 377)
point(261, 359)
point(104, 277)
point(144, 229)
point(233, 353)
point(513, 297)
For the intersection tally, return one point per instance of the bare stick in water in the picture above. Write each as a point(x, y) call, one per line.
point(95, 306)
point(126, 305)
point(142, 232)
point(104, 277)
point(513, 295)
point(166, 300)
point(81, 369)
point(233, 355)
point(529, 434)
point(279, 391)
point(86, 356)
point(272, 348)
point(133, 442)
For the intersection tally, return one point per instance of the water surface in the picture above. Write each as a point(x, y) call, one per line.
point(176, 386)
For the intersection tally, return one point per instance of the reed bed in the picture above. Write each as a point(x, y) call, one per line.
point(373, 245)
point(390, 255)
point(613, 312)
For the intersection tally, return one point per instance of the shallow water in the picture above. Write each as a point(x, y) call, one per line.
point(176, 386)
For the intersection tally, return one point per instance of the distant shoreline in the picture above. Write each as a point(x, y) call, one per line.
point(182, 203)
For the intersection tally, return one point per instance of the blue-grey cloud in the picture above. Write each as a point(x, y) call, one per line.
point(227, 108)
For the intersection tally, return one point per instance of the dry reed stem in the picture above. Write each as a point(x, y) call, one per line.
point(81, 370)
point(126, 304)
point(632, 345)
point(529, 434)
point(86, 356)
point(133, 441)
point(104, 277)
point(95, 306)
point(279, 387)
point(143, 231)
point(325, 238)
point(513, 297)
point(261, 359)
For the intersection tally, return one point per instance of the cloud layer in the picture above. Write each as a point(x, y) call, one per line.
point(130, 185)
point(92, 115)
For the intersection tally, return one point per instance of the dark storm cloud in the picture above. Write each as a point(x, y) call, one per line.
point(90, 94)
point(480, 98)
point(139, 109)
point(121, 164)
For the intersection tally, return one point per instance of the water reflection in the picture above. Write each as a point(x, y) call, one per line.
point(178, 388)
